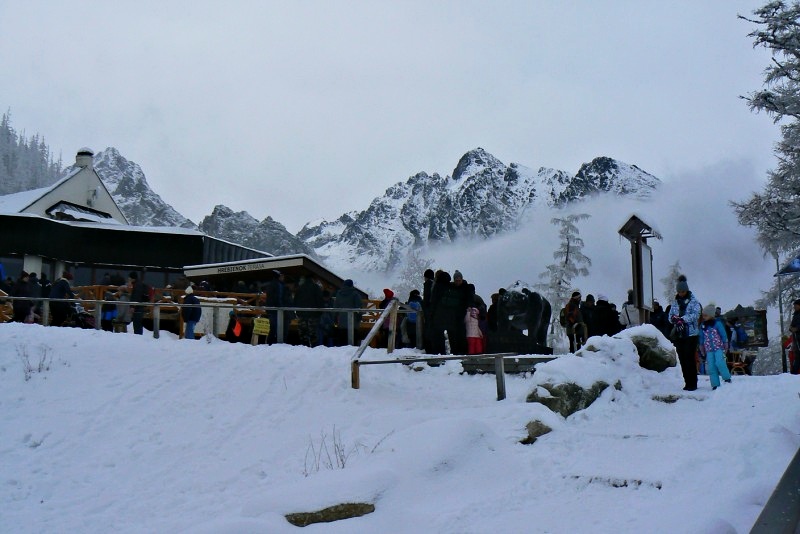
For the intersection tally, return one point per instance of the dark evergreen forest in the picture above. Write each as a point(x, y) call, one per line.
point(25, 162)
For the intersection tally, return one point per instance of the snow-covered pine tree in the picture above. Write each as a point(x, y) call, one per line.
point(775, 211)
point(669, 282)
point(558, 276)
point(410, 274)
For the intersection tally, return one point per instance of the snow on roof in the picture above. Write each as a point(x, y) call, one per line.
point(81, 214)
point(117, 226)
point(16, 202)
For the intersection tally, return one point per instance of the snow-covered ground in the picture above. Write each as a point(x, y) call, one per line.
point(124, 433)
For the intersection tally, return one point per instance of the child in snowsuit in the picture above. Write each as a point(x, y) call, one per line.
point(713, 342)
point(475, 339)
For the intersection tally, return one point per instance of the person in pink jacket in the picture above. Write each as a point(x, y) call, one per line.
point(476, 343)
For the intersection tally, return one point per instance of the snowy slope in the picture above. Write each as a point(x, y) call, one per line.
point(128, 434)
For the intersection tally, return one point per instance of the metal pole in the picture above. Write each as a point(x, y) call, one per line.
point(351, 329)
point(279, 337)
point(98, 315)
point(46, 312)
point(780, 312)
point(156, 321)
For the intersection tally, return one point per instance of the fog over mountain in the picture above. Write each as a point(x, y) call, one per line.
point(484, 198)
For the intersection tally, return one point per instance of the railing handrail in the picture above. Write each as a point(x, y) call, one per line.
point(203, 304)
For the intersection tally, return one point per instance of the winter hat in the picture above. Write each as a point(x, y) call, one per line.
point(189, 290)
point(68, 275)
point(133, 275)
point(796, 302)
point(682, 285)
point(388, 293)
point(600, 296)
point(589, 298)
point(428, 274)
point(576, 294)
point(457, 275)
point(709, 310)
point(348, 283)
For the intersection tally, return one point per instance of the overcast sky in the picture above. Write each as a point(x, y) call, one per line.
point(306, 109)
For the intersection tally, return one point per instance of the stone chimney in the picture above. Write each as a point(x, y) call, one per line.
point(84, 158)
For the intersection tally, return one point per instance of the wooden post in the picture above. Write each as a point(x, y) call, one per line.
point(500, 375)
point(46, 312)
point(354, 378)
point(392, 326)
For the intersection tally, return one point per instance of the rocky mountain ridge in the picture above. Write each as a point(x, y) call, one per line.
point(483, 198)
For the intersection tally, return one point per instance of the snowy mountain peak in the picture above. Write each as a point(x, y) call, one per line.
point(475, 162)
point(241, 227)
point(484, 198)
point(126, 182)
point(607, 175)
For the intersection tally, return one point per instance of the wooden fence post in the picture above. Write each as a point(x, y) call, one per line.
point(392, 337)
point(500, 374)
point(355, 382)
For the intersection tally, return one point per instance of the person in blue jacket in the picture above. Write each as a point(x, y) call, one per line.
point(684, 314)
point(191, 314)
point(714, 343)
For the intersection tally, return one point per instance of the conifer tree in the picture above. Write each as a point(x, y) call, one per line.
point(24, 163)
point(775, 211)
point(410, 274)
point(669, 282)
point(571, 262)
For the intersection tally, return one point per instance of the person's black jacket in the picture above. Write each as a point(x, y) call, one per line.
point(308, 295)
point(606, 319)
point(191, 313)
point(21, 307)
point(348, 297)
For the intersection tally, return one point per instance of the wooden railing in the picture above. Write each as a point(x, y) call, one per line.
point(167, 303)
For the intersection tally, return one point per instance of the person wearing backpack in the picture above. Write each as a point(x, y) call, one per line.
point(191, 314)
point(739, 337)
point(408, 327)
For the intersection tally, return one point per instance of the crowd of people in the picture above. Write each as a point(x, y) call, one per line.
point(455, 319)
point(702, 336)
